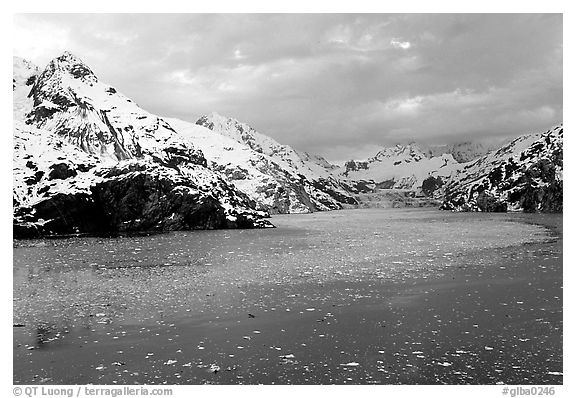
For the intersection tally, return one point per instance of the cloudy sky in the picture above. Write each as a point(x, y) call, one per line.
point(341, 85)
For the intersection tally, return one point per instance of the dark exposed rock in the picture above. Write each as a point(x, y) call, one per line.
point(62, 214)
point(387, 184)
point(431, 184)
point(353, 165)
point(44, 189)
point(132, 199)
point(31, 180)
point(41, 113)
point(116, 171)
point(238, 174)
point(61, 171)
point(182, 155)
point(359, 186)
point(326, 186)
point(146, 201)
point(538, 189)
point(84, 167)
point(25, 230)
point(489, 203)
point(204, 121)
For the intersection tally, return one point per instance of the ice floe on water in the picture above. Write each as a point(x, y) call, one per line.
point(320, 290)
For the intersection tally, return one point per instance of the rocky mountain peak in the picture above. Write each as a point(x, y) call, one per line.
point(217, 122)
point(73, 65)
point(240, 132)
point(60, 87)
point(410, 150)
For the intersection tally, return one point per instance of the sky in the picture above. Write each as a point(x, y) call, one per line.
point(339, 85)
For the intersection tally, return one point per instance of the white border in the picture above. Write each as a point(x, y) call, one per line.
point(249, 6)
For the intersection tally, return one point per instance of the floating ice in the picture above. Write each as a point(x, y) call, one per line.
point(350, 364)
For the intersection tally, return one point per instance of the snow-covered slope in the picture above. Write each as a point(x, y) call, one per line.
point(526, 174)
point(311, 166)
point(464, 152)
point(281, 178)
point(88, 159)
point(25, 74)
point(313, 159)
point(400, 166)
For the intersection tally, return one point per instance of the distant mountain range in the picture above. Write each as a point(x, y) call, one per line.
point(401, 166)
point(87, 159)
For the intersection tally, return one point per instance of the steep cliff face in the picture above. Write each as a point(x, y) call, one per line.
point(526, 174)
point(281, 178)
point(88, 159)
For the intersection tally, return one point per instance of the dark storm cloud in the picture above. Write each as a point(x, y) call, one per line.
point(339, 84)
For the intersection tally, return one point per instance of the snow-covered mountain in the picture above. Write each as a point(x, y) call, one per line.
point(281, 178)
point(88, 159)
point(464, 152)
point(400, 167)
point(526, 174)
